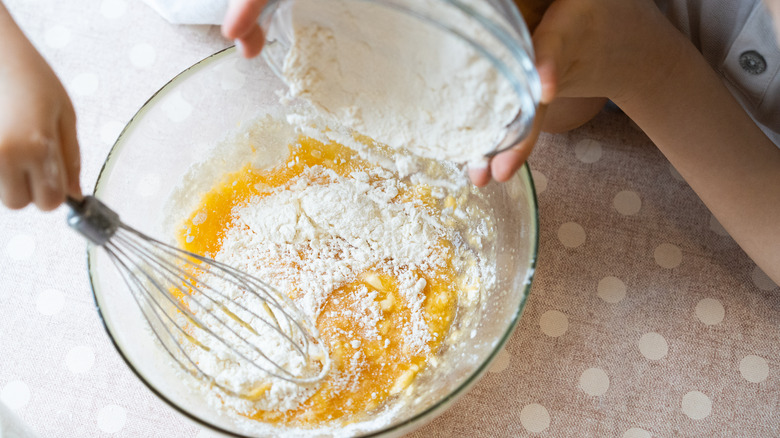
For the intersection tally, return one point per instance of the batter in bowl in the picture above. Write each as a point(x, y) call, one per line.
point(377, 261)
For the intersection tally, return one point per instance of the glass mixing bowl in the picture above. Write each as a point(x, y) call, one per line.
point(178, 128)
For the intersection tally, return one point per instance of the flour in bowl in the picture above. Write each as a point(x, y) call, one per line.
point(401, 81)
point(377, 262)
point(314, 235)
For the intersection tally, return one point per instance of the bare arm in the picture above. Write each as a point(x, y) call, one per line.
point(627, 51)
point(719, 150)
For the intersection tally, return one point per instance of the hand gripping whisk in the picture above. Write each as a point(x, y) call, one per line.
point(192, 302)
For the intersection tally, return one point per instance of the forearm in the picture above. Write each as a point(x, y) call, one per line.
point(13, 43)
point(704, 132)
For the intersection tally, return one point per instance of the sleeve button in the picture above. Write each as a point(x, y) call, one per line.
point(752, 62)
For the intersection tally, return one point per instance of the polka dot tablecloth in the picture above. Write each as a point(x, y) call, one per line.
point(645, 318)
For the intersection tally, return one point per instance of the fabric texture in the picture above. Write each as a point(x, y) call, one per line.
point(190, 11)
point(645, 318)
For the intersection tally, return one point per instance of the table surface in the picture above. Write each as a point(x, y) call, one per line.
point(645, 318)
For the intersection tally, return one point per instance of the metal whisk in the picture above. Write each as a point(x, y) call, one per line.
point(192, 302)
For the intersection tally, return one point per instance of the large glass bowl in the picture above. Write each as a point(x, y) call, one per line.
point(177, 128)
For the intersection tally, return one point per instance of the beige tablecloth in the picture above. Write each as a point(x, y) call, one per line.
point(645, 318)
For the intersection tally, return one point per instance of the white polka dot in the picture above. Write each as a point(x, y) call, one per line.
point(176, 107)
point(535, 418)
point(15, 394)
point(553, 323)
point(85, 84)
point(588, 151)
point(571, 234)
point(49, 301)
point(627, 203)
point(113, 8)
point(148, 186)
point(636, 432)
point(142, 55)
point(110, 131)
point(710, 311)
point(111, 418)
point(611, 290)
point(696, 405)
point(594, 381)
point(653, 346)
point(540, 181)
point(754, 368)
point(80, 359)
point(20, 247)
point(500, 362)
point(229, 77)
point(761, 280)
point(716, 227)
point(675, 174)
point(668, 256)
point(57, 37)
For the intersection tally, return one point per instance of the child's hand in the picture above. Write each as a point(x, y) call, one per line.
point(604, 48)
point(240, 25)
point(39, 155)
point(586, 51)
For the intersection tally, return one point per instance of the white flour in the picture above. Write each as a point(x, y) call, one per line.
point(402, 83)
point(319, 232)
point(334, 229)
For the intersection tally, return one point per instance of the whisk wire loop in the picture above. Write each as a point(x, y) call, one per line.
point(194, 283)
point(165, 270)
point(152, 312)
point(183, 297)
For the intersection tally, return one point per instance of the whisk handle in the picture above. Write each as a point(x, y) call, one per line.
point(92, 219)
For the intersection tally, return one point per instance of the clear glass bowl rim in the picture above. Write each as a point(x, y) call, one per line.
point(524, 174)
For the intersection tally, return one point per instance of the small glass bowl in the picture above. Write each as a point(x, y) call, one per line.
point(496, 31)
point(177, 129)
